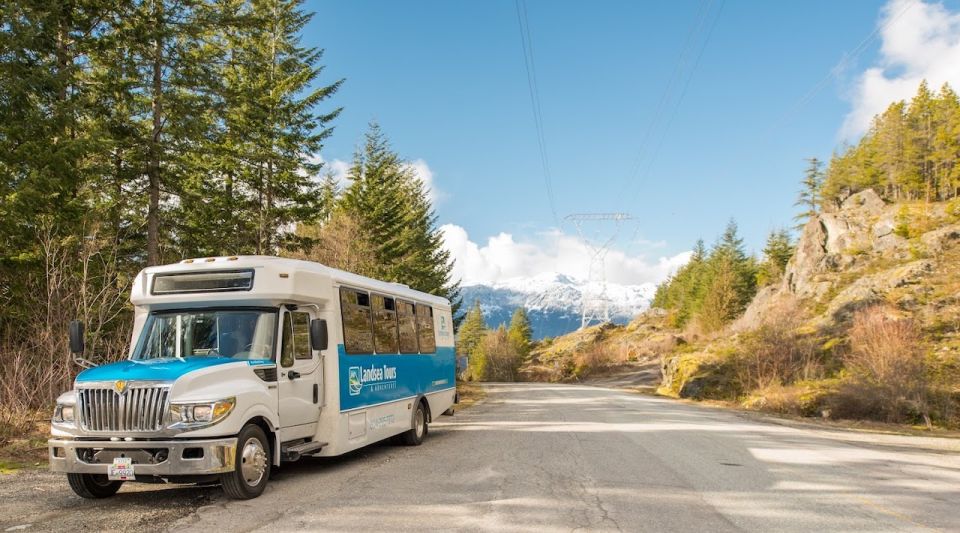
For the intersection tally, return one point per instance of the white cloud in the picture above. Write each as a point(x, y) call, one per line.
point(341, 169)
point(920, 41)
point(504, 257)
point(425, 174)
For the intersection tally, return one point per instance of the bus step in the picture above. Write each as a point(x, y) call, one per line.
point(293, 452)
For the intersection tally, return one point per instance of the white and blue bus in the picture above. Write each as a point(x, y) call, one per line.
point(240, 363)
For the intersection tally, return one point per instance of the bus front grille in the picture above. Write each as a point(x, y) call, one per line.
point(137, 408)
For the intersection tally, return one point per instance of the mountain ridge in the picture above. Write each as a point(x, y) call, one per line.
point(553, 301)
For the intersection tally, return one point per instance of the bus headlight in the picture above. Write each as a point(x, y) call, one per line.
point(63, 413)
point(196, 415)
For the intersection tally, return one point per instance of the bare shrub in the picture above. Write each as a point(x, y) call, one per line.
point(779, 352)
point(82, 278)
point(590, 360)
point(887, 360)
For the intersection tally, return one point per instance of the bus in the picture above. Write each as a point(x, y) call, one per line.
point(239, 364)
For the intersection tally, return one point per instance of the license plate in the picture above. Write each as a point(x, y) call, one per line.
point(121, 469)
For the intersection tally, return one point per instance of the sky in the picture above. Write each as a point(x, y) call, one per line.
point(683, 114)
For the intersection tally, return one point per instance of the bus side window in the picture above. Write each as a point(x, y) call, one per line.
point(384, 324)
point(357, 325)
point(428, 343)
point(296, 338)
point(408, 327)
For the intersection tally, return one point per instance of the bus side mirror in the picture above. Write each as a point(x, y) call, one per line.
point(318, 334)
point(76, 337)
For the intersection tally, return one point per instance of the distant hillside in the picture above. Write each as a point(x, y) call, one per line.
point(864, 322)
point(553, 301)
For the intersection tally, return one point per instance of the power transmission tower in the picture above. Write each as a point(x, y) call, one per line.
point(596, 303)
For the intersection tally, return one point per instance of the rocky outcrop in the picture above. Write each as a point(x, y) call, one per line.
point(871, 289)
point(859, 240)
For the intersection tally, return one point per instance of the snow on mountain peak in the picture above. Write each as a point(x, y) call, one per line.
point(553, 300)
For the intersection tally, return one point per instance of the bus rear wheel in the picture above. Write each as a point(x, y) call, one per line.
point(93, 486)
point(415, 435)
point(252, 467)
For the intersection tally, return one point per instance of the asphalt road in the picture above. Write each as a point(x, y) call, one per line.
point(536, 457)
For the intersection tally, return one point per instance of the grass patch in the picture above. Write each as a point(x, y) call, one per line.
point(469, 392)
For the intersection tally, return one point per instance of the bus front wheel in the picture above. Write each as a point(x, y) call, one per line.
point(252, 467)
point(414, 436)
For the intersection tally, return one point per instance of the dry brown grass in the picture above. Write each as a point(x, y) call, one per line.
point(469, 393)
point(887, 361)
point(779, 351)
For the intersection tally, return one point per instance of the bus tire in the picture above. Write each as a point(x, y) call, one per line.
point(93, 486)
point(252, 465)
point(415, 435)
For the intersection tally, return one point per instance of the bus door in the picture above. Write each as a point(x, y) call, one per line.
point(301, 375)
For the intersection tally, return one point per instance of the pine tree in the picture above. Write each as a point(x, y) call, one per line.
point(776, 254)
point(809, 197)
point(520, 334)
point(471, 330)
point(395, 213)
point(329, 194)
point(264, 169)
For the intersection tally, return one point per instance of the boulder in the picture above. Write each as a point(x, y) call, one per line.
point(871, 289)
point(866, 201)
point(936, 240)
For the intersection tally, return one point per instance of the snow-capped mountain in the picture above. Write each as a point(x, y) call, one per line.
point(553, 301)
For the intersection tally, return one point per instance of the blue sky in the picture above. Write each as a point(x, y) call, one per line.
point(447, 82)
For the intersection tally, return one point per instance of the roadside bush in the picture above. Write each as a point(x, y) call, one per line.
point(590, 360)
point(804, 398)
point(495, 358)
point(886, 363)
point(779, 351)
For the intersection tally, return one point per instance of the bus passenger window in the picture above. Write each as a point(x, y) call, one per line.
point(428, 344)
point(408, 327)
point(384, 324)
point(357, 327)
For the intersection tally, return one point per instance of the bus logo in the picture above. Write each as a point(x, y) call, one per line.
point(355, 383)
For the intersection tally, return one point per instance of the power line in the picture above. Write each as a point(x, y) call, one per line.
point(839, 67)
point(676, 108)
point(526, 44)
point(667, 90)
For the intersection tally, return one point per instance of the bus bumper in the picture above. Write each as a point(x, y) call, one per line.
point(150, 458)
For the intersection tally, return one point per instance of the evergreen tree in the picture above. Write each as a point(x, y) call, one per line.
point(712, 288)
point(520, 334)
point(329, 194)
point(471, 330)
point(776, 254)
point(271, 130)
point(393, 209)
point(809, 198)
point(909, 153)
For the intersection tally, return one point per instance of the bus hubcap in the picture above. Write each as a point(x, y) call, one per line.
point(253, 462)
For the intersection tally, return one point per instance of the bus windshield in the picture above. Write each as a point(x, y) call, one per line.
point(235, 333)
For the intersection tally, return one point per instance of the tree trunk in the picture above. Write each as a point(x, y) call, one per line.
point(153, 170)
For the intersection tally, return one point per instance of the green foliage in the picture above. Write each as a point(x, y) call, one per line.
point(520, 333)
point(471, 330)
point(776, 254)
point(134, 132)
point(397, 220)
point(909, 153)
point(809, 198)
point(712, 288)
